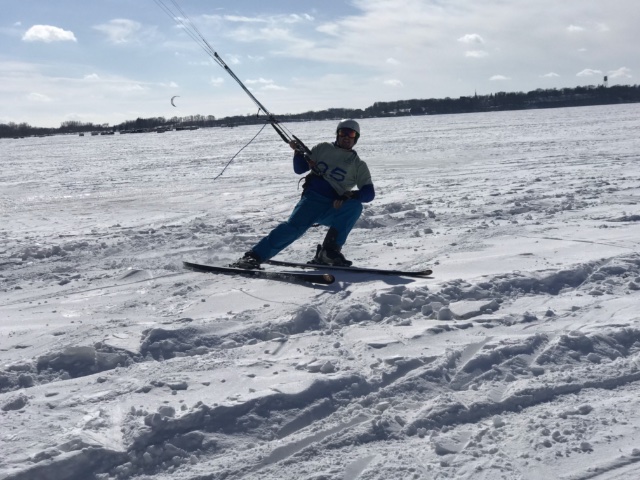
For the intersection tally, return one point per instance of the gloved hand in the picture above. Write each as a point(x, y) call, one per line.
point(345, 196)
point(294, 145)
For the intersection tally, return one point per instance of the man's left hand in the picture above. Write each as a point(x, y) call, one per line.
point(345, 196)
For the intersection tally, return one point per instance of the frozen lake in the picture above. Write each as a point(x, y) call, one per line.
point(518, 360)
point(123, 175)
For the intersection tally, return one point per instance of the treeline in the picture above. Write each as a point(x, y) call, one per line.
point(540, 98)
point(155, 122)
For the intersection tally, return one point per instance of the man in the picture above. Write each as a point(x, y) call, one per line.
point(328, 199)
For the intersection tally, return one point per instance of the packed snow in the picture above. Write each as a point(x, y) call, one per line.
point(519, 359)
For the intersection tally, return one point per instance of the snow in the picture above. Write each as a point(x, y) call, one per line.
point(518, 360)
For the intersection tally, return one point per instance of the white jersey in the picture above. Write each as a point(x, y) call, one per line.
point(342, 168)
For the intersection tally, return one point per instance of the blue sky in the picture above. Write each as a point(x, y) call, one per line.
point(113, 60)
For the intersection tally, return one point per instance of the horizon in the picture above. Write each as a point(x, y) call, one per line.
point(180, 117)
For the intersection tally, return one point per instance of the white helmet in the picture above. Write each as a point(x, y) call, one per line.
point(351, 125)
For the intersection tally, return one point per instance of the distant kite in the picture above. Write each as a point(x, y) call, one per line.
point(176, 96)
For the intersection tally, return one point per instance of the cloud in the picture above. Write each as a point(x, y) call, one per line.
point(295, 18)
point(392, 61)
point(332, 29)
point(276, 34)
point(499, 78)
point(120, 30)
point(128, 87)
point(264, 83)
point(38, 97)
point(590, 27)
point(201, 63)
point(258, 81)
point(393, 83)
point(549, 75)
point(588, 72)
point(472, 38)
point(273, 19)
point(241, 19)
point(273, 86)
point(290, 29)
point(575, 28)
point(476, 54)
point(48, 34)
point(621, 72)
point(217, 81)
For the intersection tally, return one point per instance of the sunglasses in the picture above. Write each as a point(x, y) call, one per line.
point(347, 132)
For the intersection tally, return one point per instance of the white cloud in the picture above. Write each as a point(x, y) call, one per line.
point(549, 75)
point(276, 33)
point(588, 72)
point(575, 28)
point(202, 63)
point(48, 34)
point(274, 19)
point(295, 18)
point(499, 78)
point(38, 97)
point(472, 38)
point(621, 72)
point(217, 81)
point(260, 80)
point(264, 83)
point(128, 87)
point(272, 86)
point(393, 83)
point(329, 28)
point(241, 19)
point(120, 30)
point(92, 76)
point(476, 54)
point(392, 61)
point(17, 24)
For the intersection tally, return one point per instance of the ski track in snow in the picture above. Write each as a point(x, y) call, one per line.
point(519, 360)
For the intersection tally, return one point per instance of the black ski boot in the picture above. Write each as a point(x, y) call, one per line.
point(329, 252)
point(250, 261)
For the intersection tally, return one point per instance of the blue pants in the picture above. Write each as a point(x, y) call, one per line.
point(312, 208)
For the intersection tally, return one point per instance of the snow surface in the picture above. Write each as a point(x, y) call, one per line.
point(518, 360)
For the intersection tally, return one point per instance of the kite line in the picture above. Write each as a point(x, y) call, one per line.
point(177, 14)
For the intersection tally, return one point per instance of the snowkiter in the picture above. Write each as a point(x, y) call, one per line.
point(328, 199)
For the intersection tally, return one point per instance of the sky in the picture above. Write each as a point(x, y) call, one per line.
point(114, 60)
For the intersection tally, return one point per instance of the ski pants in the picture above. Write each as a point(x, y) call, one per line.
point(312, 208)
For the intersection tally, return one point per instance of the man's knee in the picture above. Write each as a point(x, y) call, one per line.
point(354, 208)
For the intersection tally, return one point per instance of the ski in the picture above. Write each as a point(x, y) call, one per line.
point(377, 271)
point(322, 278)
